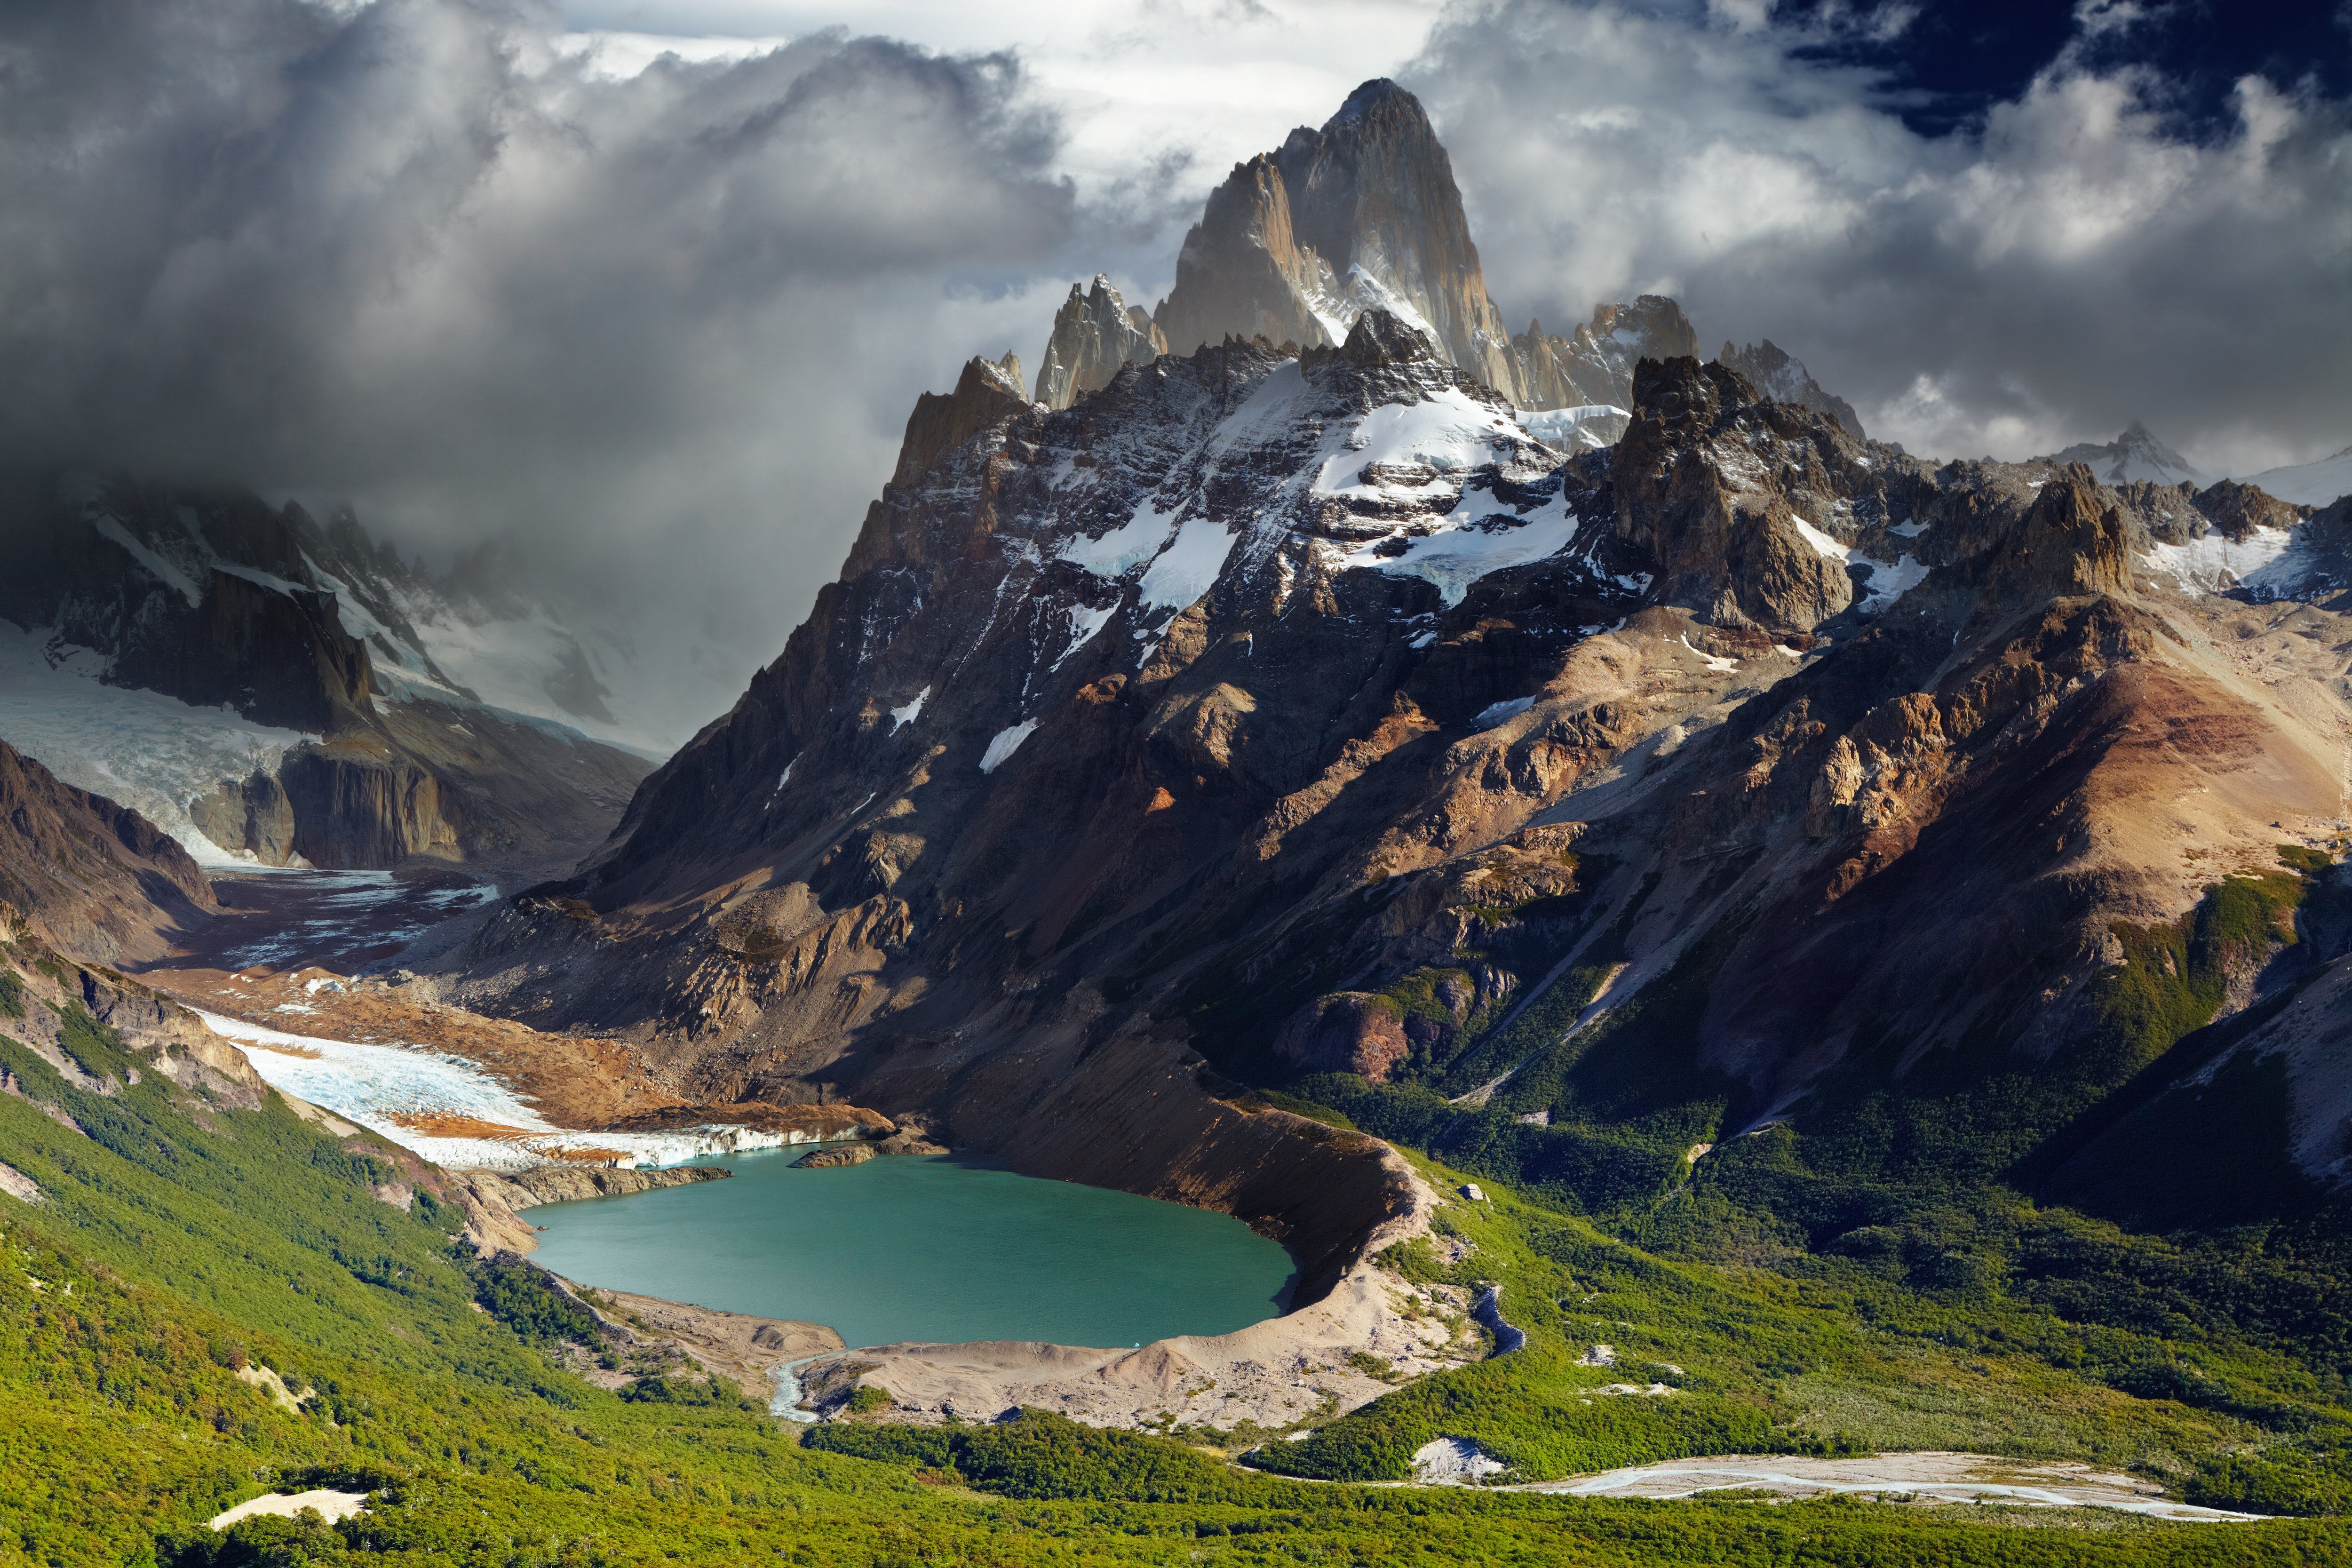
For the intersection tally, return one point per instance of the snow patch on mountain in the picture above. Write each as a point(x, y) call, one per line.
point(165, 571)
point(1448, 433)
point(901, 717)
point(141, 749)
point(1005, 741)
point(1885, 581)
point(1458, 553)
point(1190, 566)
point(2309, 484)
point(1587, 427)
point(1084, 623)
point(419, 1097)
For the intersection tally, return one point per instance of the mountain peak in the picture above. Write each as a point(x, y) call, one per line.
point(2138, 454)
point(1377, 97)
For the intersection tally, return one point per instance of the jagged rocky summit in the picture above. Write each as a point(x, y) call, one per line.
point(1297, 243)
point(2134, 456)
point(1283, 710)
point(260, 686)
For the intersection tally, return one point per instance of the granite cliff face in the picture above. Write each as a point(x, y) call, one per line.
point(1094, 333)
point(1277, 711)
point(307, 716)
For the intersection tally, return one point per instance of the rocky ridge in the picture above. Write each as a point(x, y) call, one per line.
point(343, 741)
point(87, 875)
point(1362, 215)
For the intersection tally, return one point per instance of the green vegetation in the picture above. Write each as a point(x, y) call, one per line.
point(1835, 1287)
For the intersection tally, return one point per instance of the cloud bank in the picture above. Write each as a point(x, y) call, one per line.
point(656, 334)
point(654, 323)
point(2075, 260)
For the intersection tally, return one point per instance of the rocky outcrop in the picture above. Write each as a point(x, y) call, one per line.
point(988, 391)
point(1595, 365)
point(1360, 214)
point(572, 1184)
point(1714, 483)
point(1768, 367)
point(827, 1159)
point(221, 601)
point(88, 875)
point(1096, 334)
point(1347, 1031)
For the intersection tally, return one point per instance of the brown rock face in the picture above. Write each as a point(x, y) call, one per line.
point(1710, 479)
point(1347, 1031)
point(1364, 213)
point(87, 876)
point(1243, 272)
point(2237, 509)
point(1096, 335)
point(987, 392)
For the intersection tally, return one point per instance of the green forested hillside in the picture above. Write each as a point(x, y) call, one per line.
point(179, 1242)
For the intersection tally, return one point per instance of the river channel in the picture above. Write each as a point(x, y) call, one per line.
point(941, 1249)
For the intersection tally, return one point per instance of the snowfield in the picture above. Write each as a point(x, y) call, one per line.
point(448, 1111)
point(2215, 562)
point(141, 749)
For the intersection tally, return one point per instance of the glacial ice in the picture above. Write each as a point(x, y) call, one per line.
point(391, 1090)
point(139, 748)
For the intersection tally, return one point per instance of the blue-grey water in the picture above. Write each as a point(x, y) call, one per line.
point(941, 1249)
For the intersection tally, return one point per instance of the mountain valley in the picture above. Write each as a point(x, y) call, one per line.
point(1700, 932)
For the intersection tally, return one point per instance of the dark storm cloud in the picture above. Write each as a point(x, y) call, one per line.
point(2074, 257)
point(658, 334)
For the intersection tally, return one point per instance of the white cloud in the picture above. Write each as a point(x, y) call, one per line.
point(2070, 265)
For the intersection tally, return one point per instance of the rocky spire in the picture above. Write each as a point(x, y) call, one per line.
point(1094, 333)
point(1362, 214)
point(1243, 272)
point(1784, 379)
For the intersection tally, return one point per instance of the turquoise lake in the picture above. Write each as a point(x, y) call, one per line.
point(940, 1249)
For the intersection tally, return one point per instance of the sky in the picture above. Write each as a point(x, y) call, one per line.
point(642, 290)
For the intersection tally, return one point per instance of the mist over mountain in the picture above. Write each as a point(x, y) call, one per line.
point(655, 328)
point(1532, 917)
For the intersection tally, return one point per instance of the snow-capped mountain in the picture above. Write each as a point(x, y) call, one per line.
point(265, 688)
point(2309, 484)
point(2134, 457)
